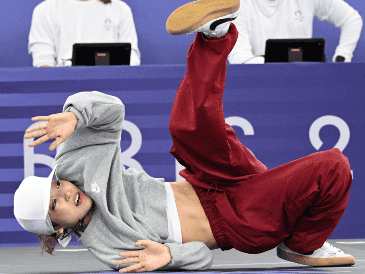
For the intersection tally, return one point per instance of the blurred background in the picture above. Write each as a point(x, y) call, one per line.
point(156, 45)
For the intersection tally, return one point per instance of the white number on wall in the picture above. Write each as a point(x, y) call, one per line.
point(136, 143)
point(340, 124)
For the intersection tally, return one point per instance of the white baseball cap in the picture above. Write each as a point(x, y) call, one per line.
point(31, 204)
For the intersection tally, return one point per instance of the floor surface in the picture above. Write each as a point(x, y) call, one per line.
point(76, 259)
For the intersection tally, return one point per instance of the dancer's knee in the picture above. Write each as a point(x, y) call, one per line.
point(339, 162)
point(338, 158)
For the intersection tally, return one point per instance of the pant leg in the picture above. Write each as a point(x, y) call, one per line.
point(202, 141)
point(299, 203)
point(321, 217)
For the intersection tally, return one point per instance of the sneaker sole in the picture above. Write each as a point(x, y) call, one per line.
point(334, 261)
point(193, 15)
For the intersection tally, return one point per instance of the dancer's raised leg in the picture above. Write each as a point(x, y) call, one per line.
point(203, 142)
point(288, 204)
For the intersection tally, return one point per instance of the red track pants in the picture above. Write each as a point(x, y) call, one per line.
point(249, 207)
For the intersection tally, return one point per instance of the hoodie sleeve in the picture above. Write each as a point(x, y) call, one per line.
point(189, 256)
point(96, 110)
point(100, 120)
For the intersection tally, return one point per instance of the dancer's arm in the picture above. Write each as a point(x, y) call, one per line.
point(153, 256)
point(90, 117)
point(59, 126)
point(189, 256)
point(96, 110)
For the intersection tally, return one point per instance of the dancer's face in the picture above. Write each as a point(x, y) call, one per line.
point(68, 204)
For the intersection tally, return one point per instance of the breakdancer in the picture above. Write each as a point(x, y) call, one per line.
point(135, 223)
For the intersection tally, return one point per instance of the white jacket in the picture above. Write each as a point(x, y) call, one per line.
point(58, 24)
point(259, 20)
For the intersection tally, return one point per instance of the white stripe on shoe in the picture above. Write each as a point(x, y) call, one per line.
point(217, 27)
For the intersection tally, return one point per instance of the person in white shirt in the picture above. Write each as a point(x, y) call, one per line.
point(58, 24)
point(259, 20)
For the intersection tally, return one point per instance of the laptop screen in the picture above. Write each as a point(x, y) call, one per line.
point(101, 54)
point(295, 50)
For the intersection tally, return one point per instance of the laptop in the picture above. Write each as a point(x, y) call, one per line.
point(101, 54)
point(295, 50)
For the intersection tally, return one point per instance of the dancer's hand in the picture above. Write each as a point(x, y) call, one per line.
point(57, 126)
point(154, 256)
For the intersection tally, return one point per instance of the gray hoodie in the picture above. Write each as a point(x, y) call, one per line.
point(130, 204)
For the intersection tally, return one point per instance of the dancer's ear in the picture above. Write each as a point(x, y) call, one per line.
point(59, 230)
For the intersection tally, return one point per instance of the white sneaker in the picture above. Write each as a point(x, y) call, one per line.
point(194, 15)
point(327, 255)
point(217, 27)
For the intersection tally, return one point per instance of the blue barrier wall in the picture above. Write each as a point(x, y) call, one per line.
point(156, 45)
point(280, 112)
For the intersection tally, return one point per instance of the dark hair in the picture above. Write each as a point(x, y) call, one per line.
point(106, 1)
point(49, 242)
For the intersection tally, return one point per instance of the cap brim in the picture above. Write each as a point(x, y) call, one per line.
point(52, 173)
point(46, 197)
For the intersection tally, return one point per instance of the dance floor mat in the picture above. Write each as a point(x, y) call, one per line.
point(76, 259)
